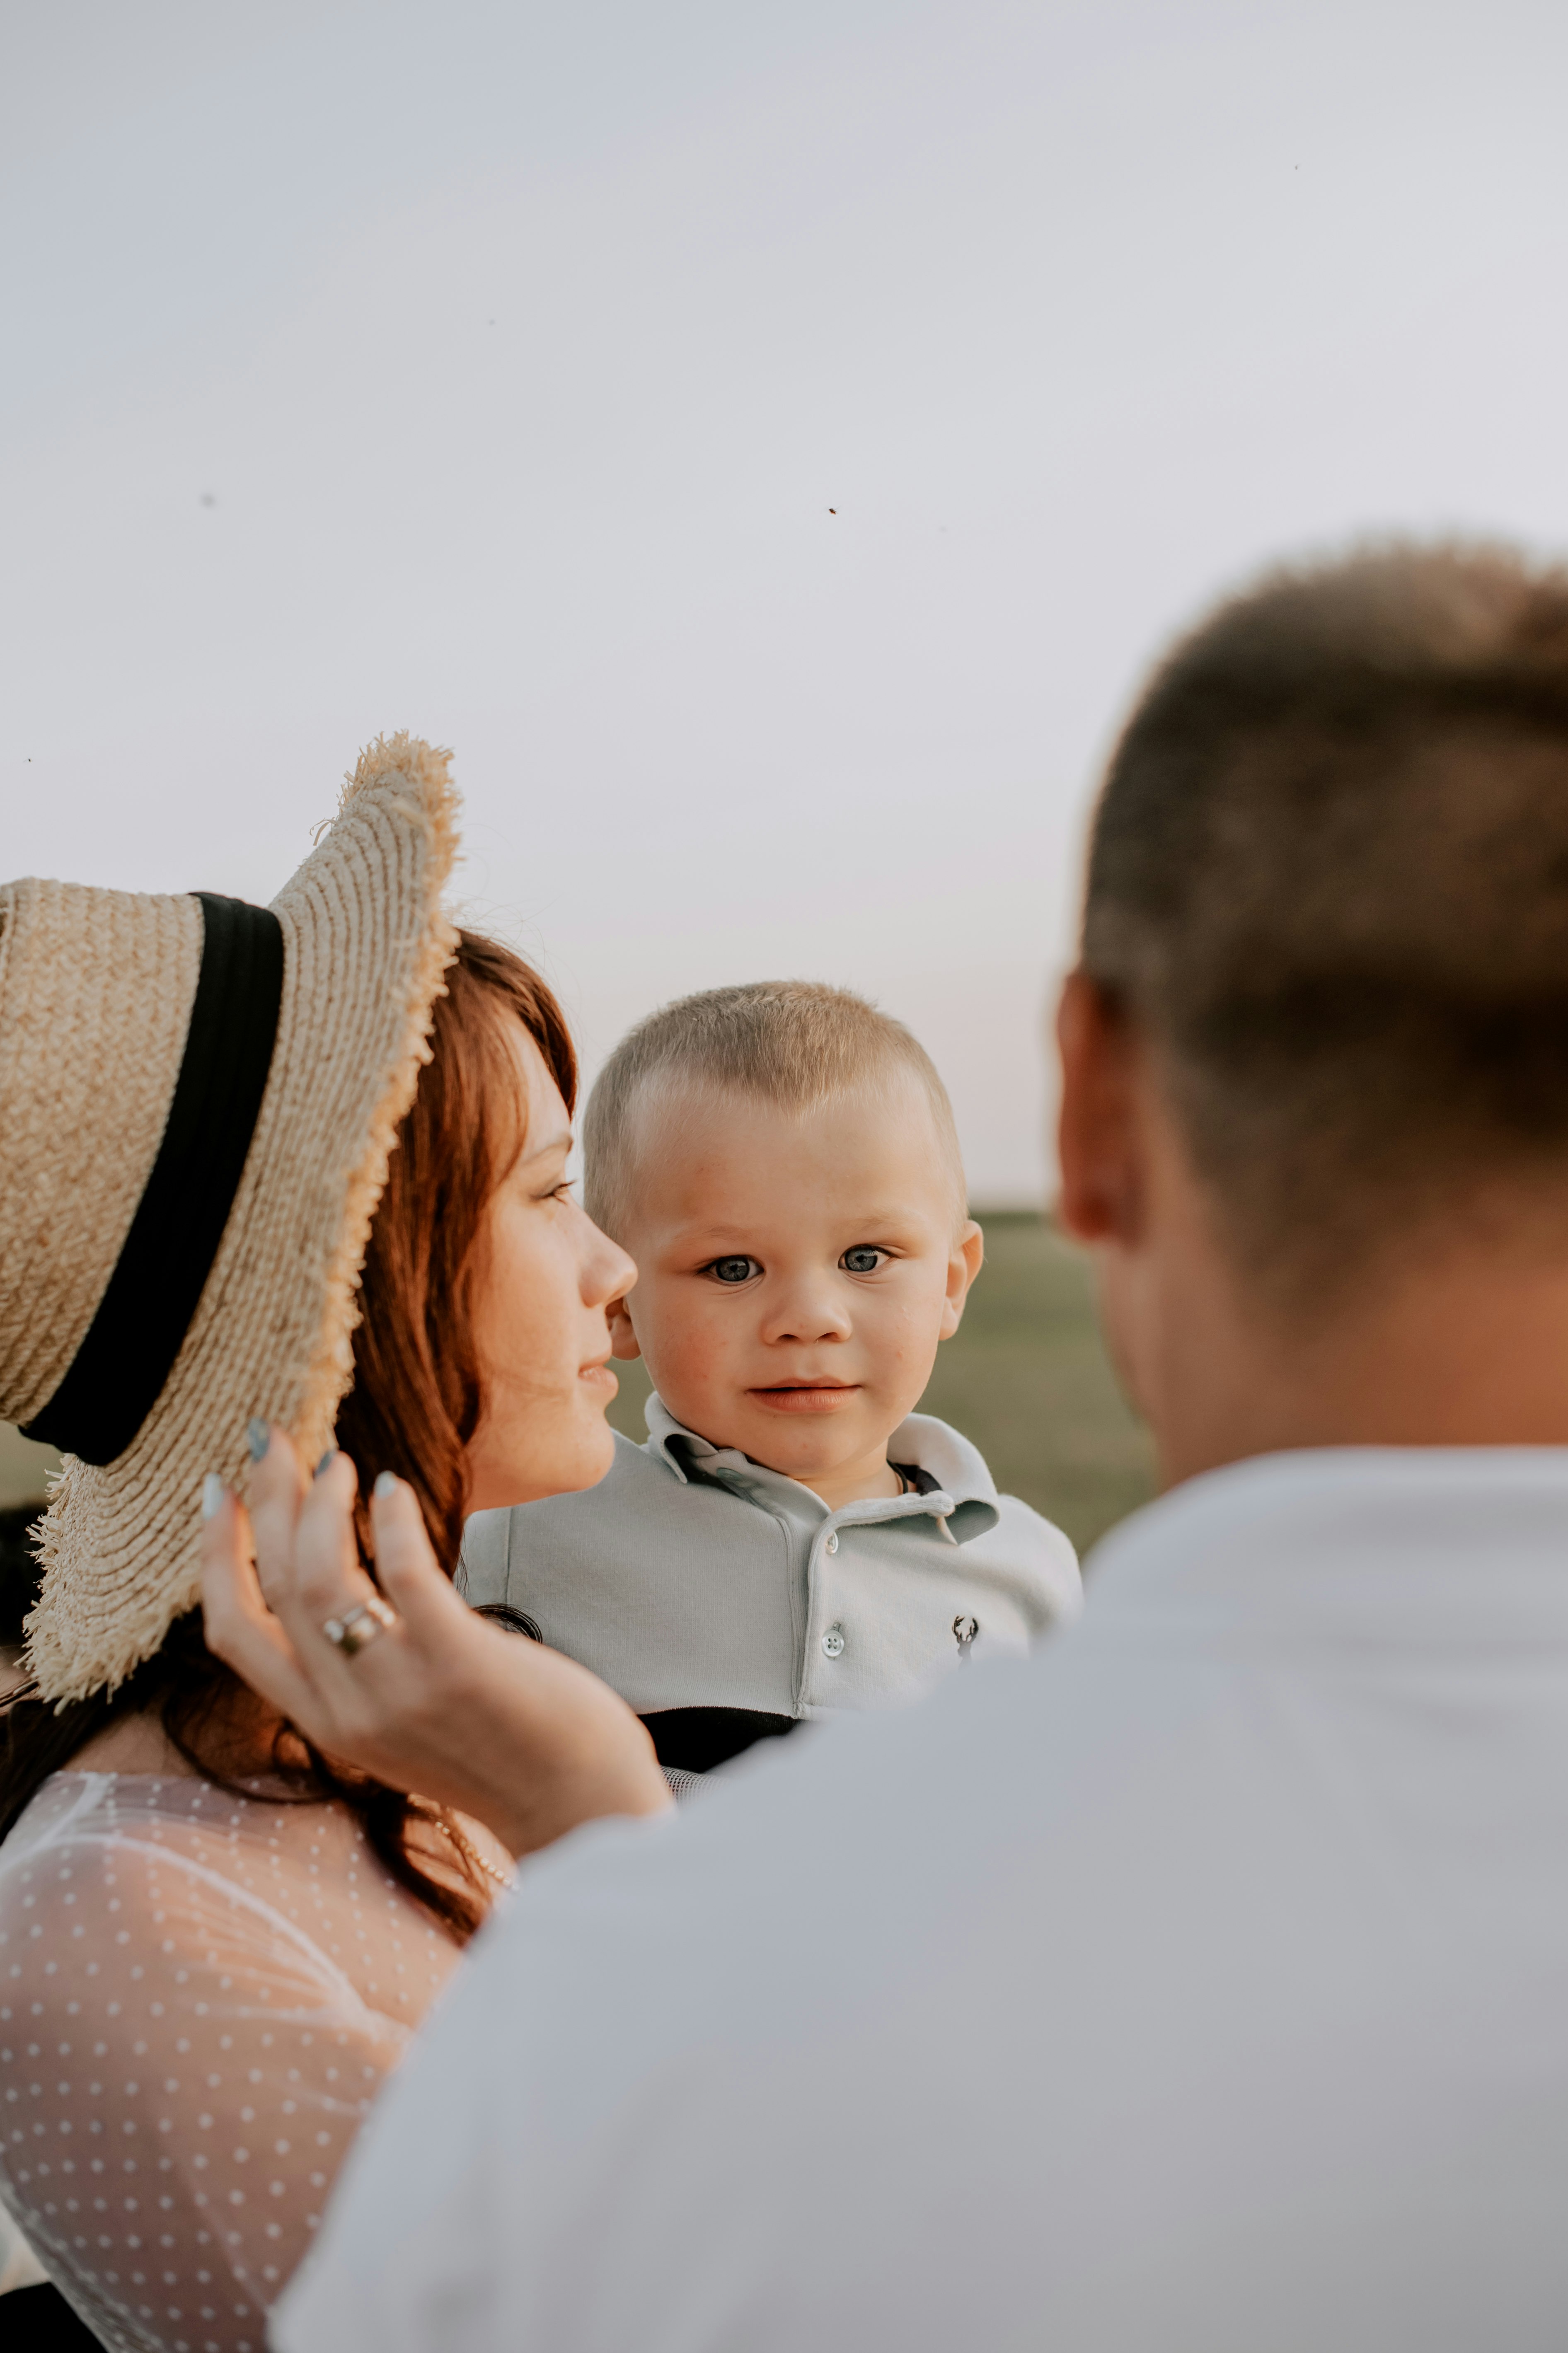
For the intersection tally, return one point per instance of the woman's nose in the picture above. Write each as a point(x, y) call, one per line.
point(607, 1272)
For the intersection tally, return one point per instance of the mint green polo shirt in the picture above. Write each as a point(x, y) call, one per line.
point(691, 1576)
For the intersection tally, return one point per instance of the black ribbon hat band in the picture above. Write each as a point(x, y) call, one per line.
point(128, 1353)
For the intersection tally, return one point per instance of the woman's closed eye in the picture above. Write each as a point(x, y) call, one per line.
point(864, 1259)
point(542, 1176)
point(732, 1269)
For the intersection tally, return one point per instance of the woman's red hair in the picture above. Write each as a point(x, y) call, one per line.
point(416, 1400)
point(416, 1403)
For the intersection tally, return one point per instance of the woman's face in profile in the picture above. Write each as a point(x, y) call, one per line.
point(545, 1276)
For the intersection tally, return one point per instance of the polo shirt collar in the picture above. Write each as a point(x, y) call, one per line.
point(964, 1494)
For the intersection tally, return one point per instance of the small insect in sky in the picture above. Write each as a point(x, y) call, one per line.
point(832, 509)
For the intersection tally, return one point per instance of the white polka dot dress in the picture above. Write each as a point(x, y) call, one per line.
point(199, 1996)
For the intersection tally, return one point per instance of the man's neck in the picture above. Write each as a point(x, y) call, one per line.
point(1468, 1349)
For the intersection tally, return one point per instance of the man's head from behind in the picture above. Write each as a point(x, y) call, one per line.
point(1322, 1009)
point(781, 1160)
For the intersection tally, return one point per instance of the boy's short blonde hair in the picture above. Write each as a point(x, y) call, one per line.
point(795, 1043)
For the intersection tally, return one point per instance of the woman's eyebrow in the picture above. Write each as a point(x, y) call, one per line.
point(561, 1143)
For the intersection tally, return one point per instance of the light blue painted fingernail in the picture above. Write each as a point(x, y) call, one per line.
point(213, 1492)
point(258, 1436)
point(327, 1459)
point(386, 1483)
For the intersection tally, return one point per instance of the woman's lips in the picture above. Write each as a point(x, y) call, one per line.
point(600, 1380)
point(828, 1397)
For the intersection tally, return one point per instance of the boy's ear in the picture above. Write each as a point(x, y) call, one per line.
point(623, 1341)
point(964, 1263)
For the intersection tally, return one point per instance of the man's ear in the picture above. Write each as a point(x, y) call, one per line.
point(623, 1340)
point(964, 1263)
point(1099, 1144)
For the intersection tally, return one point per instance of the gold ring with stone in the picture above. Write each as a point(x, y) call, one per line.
point(359, 1627)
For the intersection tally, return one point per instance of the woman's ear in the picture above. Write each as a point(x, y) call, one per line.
point(1098, 1132)
point(623, 1340)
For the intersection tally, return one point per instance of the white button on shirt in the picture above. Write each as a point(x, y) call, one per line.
point(1195, 1986)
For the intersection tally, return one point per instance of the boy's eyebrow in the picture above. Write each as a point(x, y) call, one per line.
point(700, 1230)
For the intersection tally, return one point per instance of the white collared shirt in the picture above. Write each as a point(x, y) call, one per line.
point(691, 1576)
point(1199, 1984)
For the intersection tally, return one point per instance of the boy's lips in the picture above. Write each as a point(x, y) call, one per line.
point(806, 1396)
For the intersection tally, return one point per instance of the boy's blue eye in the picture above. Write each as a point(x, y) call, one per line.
point(865, 1260)
point(734, 1269)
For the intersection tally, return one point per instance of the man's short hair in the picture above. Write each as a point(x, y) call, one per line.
point(1328, 881)
point(794, 1043)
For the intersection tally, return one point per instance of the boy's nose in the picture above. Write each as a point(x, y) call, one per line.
point(807, 1317)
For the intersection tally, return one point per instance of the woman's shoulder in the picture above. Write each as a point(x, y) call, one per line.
point(133, 1881)
point(95, 1842)
point(201, 1989)
point(155, 1848)
point(98, 1807)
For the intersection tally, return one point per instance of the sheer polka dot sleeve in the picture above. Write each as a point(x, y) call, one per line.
point(200, 1997)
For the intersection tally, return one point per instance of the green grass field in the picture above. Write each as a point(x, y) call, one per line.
point(23, 1467)
point(1026, 1378)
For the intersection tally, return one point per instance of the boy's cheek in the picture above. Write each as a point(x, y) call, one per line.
point(689, 1357)
point(702, 1356)
point(909, 1324)
point(662, 1318)
point(906, 1354)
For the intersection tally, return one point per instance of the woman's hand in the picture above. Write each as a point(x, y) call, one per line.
point(440, 1703)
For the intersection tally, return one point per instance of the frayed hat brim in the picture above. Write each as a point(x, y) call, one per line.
point(366, 944)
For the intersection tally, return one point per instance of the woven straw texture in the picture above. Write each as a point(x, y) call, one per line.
point(365, 945)
point(95, 999)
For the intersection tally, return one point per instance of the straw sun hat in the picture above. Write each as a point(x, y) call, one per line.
point(198, 1100)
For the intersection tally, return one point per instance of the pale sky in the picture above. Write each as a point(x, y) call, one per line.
point(492, 371)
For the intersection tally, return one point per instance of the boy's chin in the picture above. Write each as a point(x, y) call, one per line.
point(805, 1446)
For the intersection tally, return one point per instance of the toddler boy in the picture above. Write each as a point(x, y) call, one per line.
point(781, 1160)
